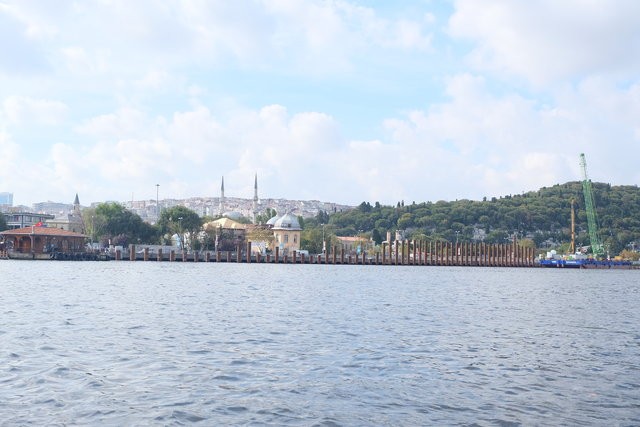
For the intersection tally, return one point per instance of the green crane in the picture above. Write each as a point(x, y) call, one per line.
point(592, 220)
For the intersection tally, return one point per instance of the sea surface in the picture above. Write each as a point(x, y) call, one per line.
point(123, 343)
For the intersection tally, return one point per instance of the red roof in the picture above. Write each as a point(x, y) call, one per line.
point(41, 231)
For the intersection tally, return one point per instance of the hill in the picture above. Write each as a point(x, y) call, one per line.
point(544, 216)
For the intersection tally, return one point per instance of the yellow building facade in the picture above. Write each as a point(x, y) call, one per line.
point(286, 233)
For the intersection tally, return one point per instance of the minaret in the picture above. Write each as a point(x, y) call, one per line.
point(221, 205)
point(76, 206)
point(76, 223)
point(255, 199)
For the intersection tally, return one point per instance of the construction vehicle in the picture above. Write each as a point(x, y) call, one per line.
point(597, 248)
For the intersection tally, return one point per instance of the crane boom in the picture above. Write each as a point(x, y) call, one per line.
point(592, 219)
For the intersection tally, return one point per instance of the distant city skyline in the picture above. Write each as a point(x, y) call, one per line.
point(146, 208)
point(344, 101)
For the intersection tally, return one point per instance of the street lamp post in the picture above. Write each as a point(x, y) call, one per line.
point(324, 243)
point(180, 231)
point(157, 204)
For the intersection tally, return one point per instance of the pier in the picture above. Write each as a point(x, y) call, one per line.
point(398, 254)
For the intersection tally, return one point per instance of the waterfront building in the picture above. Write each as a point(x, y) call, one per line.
point(228, 233)
point(39, 242)
point(286, 232)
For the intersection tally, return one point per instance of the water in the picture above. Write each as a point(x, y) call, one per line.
point(120, 343)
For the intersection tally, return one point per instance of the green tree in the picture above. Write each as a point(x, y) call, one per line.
point(405, 221)
point(377, 236)
point(180, 221)
point(3, 222)
point(113, 219)
point(265, 216)
point(311, 240)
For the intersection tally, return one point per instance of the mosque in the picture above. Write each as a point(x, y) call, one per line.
point(282, 231)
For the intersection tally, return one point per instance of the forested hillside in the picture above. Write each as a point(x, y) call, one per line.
point(543, 216)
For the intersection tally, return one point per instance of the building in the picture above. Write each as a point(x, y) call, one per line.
point(71, 222)
point(54, 208)
point(227, 233)
point(286, 232)
point(355, 244)
point(6, 200)
point(25, 219)
point(38, 242)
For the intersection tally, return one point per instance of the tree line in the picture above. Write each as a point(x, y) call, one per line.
point(542, 217)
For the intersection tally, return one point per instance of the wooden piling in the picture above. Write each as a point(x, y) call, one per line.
point(395, 243)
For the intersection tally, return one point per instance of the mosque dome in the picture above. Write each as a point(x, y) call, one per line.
point(234, 215)
point(273, 220)
point(287, 222)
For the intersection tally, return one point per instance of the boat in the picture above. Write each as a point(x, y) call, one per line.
point(579, 260)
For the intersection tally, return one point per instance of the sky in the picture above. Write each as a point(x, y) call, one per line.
point(337, 100)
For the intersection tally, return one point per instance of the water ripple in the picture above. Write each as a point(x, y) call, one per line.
point(175, 344)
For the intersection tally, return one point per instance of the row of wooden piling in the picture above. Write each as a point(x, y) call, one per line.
point(401, 253)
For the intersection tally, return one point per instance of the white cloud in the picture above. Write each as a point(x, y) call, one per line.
point(21, 110)
point(9, 149)
point(124, 123)
point(20, 53)
point(122, 36)
point(545, 40)
point(182, 92)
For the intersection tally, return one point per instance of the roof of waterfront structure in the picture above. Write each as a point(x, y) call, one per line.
point(41, 231)
point(226, 223)
point(287, 222)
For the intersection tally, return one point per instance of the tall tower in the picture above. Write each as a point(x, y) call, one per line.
point(76, 205)
point(221, 205)
point(255, 199)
